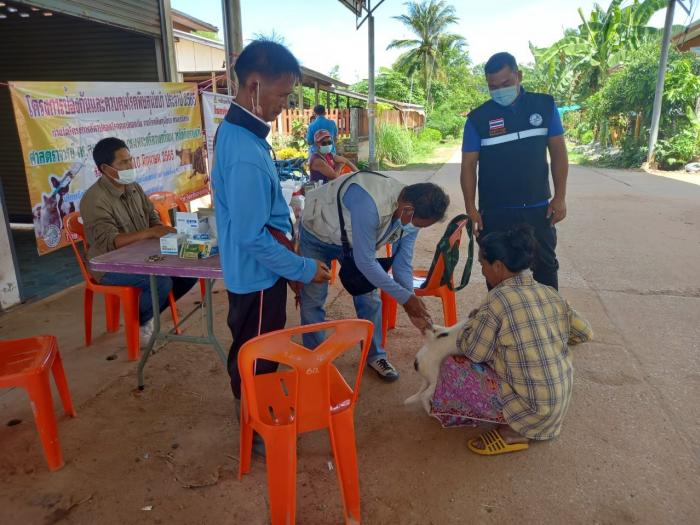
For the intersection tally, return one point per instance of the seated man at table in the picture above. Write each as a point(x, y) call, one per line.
point(117, 212)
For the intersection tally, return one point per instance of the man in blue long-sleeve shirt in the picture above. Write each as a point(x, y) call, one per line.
point(250, 206)
point(376, 210)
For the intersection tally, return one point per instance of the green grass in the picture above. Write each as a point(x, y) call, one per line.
point(430, 156)
point(575, 157)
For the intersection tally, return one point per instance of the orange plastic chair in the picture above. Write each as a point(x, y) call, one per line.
point(25, 363)
point(164, 201)
point(129, 295)
point(432, 289)
point(311, 396)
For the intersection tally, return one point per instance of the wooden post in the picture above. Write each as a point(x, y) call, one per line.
point(638, 125)
point(337, 101)
point(315, 93)
point(213, 82)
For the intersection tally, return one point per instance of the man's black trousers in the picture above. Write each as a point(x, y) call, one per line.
point(546, 265)
point(243, 318)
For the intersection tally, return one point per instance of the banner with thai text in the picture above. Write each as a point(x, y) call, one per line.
point(59, 124)
point(214, 109)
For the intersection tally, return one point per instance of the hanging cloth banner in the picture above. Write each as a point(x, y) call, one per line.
point(59, 124)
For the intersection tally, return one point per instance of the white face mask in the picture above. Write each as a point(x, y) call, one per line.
point(257, 109)
point(125, 176)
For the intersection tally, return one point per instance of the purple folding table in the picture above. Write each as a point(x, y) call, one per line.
point(134, 259)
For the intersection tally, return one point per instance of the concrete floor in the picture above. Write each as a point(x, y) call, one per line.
point(629, 451)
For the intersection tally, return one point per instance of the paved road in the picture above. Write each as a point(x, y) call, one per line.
point(630, 260)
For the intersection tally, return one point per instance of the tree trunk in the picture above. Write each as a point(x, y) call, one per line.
point(638, 125)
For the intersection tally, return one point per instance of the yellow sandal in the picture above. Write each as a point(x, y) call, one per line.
point(494, 444)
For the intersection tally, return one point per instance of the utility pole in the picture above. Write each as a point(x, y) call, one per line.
point(233, 37)
point(659, 94)
point(367, 7)
point(371, 99)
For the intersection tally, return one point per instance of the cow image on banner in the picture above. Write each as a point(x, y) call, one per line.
point(59, 123)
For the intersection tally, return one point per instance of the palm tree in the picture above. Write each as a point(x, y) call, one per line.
point(603, 41)
point(585, 57)
point(429, 21)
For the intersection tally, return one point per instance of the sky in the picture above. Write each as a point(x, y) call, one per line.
point(321, 33)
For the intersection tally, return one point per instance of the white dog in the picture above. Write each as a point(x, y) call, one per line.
point(439, 343)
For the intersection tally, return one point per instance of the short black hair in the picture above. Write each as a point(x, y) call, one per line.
point(499, 61)
point(267, 58)
point(429, 200)
point(516, 248)
point(320, 109)
point(104, 150)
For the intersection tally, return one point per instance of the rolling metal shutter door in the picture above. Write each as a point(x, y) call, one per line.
point(60, 48)
point(142, 16)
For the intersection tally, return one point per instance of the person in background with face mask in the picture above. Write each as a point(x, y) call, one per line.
point(324, 165)
point(251, 212)
point(116, 212)
point(508, 137)
point(319, 122)
point(377, 210)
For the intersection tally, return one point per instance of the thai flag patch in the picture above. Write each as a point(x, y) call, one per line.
point(496, 127)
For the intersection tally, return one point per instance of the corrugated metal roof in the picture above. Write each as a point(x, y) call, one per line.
point(142, 16)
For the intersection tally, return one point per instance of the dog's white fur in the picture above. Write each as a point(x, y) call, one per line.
point(439, 343)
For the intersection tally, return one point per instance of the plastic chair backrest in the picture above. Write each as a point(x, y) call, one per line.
point(312, 369)
point(436, 278)
point(74, 227)
point(164, 201)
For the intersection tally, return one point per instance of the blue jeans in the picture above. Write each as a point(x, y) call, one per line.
point(179, 286)
point(313, 298)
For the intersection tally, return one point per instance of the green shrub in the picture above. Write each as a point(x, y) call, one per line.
point(586, 137)
point(394, 144)
point(298, 140)
point(430, 135)
point(632, 154)
point(288, 153)
point(678, 150)
point(446, 120)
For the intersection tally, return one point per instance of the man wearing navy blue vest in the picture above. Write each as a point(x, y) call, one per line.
point(508, 138)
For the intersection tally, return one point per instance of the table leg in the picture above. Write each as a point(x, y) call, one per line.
point(208, 285)
point(156, 330)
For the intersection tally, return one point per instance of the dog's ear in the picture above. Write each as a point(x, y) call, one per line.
point(435, 332)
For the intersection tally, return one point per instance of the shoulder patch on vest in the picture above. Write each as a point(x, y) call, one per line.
point(535, 119)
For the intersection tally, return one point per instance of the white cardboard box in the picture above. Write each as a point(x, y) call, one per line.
point(208, 213)
point(190, 224)
point(170, 243)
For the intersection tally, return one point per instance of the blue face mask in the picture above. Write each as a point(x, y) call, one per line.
point(326, 149)
point(504, 96)
point(409, 227)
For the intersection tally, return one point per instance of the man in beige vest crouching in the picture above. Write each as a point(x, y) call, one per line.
point(349, 219)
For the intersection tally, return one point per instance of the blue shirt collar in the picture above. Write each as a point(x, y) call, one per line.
point(240, 116)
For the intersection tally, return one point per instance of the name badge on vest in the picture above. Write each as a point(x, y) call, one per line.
point(496, 127)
